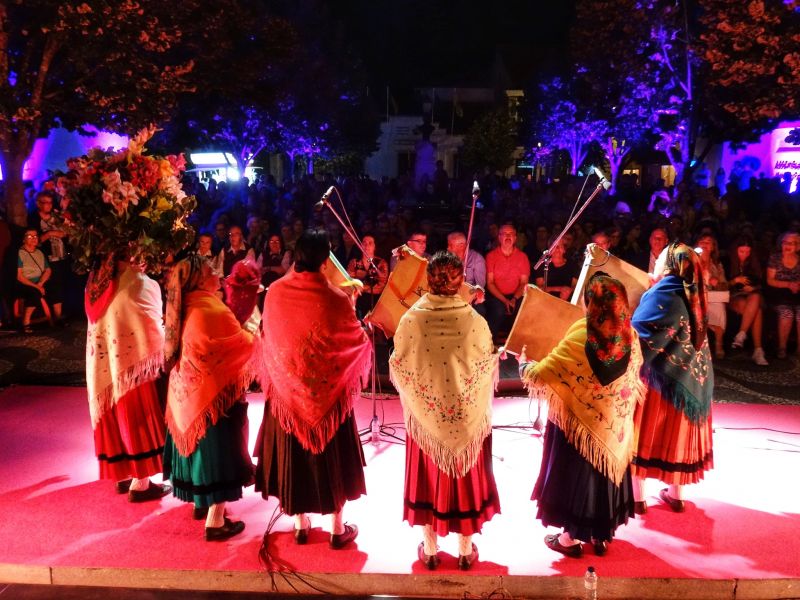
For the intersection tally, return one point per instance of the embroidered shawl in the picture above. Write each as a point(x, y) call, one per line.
point(444, 368)
point(596, 419)
point(313, 356)
point(680, 372)
point(125, 343)
point(212, 371)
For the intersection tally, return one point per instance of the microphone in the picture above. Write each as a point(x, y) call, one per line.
point(476, 189)
point(325, 197)
point(603, 181)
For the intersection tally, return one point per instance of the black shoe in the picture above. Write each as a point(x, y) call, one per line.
point(123, 486)
point(551, 541)
point(301, 535)
point(600, 547)
point(640, 507)
point(153, 492)
point(431, 561)
point(228, 530)
point(199, 512)
point(676, 505)
point(465, 560)
point(340, 540)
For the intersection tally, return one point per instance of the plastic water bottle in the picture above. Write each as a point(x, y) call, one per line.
point(375, 426)
point(590, 584)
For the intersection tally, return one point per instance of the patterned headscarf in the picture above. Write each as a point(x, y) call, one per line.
point(184, 277)
point(445, 274)
point(608, 327)
point(683, 262)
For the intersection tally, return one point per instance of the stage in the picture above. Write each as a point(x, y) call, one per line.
point(737, 539)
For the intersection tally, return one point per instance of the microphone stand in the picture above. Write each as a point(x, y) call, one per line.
point(375, 424)
point(546, 257)
point(476, 193)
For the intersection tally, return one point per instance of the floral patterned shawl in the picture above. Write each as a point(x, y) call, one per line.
point(674, 365)
point(596, 418)
point(314, 357)
point(444, 368)
point(212, 371)
point(608, 327)
point(124, 341)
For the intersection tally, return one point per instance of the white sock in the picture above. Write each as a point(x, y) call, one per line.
point(464, 545)
point(429, 540)
point(216, 515)
point(301, 521)
point(675, 491)
point(337, 523)
point(638, 489)
point(140, 485)
point(565, 539)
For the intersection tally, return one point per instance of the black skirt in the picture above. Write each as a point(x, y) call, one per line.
point(572, 494)
point(305, 482)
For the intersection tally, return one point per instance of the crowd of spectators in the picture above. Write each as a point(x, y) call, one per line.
point(749, 236)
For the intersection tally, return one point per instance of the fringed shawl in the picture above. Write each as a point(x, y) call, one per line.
point(125, 342)
point(596, 419)
point(444, 368)
point(212, 372)
point(681, 373)
point(314, 357)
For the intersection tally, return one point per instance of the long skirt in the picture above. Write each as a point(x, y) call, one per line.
point(572, 494)
point(671, 447)
point(129, 438)
point(449, 504)
point(220, 465)
point(305, 482)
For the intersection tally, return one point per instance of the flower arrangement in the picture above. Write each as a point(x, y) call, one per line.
point(127, 205)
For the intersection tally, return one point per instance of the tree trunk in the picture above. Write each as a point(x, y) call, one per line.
point(15, 188)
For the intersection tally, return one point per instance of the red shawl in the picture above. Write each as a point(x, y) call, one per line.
point(315, 357)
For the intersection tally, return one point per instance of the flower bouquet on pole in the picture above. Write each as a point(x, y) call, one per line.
point(125, 205)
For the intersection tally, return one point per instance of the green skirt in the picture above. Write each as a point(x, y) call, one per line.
point(220, 465)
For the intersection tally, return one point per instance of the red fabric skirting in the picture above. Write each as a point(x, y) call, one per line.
point(129, 439)
point(671, 447)
point(458, 505)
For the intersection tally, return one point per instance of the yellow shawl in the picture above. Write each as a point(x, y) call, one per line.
point(444, 368)
point(596, 419)
point(211, 374)
point(125, 345)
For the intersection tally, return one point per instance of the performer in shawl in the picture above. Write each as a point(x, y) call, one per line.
point(591, 381)
point(124, 355)
point(315, 360)
point(674, 423)
point(444, 368)
point(206, 454)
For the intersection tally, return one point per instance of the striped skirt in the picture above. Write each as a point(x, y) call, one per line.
point(671, 447)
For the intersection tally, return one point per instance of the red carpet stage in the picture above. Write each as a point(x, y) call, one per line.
point(737, 539)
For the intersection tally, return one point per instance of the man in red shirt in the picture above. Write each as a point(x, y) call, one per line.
point(507, 274)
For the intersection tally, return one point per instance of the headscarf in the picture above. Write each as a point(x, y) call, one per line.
point(183, 277)
point(444, 367)
point(445, 274)
point(100, 288)
point(608, 327)
point(241, 289)
point(683, 262)
point(212, 372)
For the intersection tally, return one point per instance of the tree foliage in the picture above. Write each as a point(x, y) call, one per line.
point(490, 142)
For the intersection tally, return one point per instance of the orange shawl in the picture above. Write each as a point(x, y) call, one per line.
point(212, 372)
point(315, 357)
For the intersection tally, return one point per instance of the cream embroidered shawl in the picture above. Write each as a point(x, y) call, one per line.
point(444, 368)
point(125, 346)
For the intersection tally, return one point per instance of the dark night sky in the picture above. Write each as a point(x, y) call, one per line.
point(419, 43)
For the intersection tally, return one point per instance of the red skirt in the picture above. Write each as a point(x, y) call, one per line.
point(671, 447)
point(449, 504)
point(129, 439)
